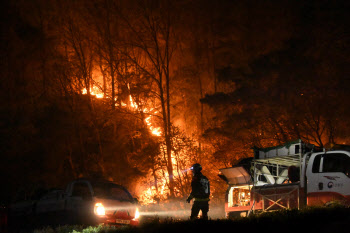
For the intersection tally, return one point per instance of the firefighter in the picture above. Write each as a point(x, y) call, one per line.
point(200, 193)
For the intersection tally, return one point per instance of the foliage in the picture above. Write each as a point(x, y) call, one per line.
point(286, 91)
point(77, 229)
point(184, 154)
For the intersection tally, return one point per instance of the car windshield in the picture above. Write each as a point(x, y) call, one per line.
point(111, 191)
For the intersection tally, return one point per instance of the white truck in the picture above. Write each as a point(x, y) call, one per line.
point(292, 175)
point(85, 201)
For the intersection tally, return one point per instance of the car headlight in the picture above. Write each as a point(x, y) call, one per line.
point(137, 214)
point(99, 209)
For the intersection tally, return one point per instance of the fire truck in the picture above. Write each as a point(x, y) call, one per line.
point(291, 175)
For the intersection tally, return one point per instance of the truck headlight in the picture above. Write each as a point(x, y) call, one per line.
point(99, 209)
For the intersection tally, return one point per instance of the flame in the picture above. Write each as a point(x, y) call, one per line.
point(132, 103)
point(95, 91)
point(150, 193)
point(156, 131)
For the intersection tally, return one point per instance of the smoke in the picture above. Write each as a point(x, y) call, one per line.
point(186, 170)
point(178, 210)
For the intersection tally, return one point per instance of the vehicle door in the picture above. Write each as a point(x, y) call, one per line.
point(237, 175)
point(312, 174)
point(334, 178)
point(80, 201)
point(238, 193)
point(51, 202)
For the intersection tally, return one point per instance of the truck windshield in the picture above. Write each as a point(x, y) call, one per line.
point(111, 191)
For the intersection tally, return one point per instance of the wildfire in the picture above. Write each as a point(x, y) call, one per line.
point(151, 192)
point(95, 91)
point(154, 130)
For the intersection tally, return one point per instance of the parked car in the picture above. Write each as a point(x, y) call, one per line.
point(85, 201)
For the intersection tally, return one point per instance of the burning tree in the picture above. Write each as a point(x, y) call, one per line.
point(154, 39)
point(156, 181)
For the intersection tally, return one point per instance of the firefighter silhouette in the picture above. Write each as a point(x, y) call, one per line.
point(200, 193)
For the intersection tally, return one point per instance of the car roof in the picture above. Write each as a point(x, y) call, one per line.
point(97, 180)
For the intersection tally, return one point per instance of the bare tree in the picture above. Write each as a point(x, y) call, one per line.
point(80, 53)
point(154, 38)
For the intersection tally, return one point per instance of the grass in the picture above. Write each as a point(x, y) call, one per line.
point(80, 229)
point(320, 219)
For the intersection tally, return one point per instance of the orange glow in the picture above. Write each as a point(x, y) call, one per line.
point(156, 131)
point(95, 91)
point(149, 193)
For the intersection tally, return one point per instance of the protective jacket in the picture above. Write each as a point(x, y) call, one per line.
point(200, 188)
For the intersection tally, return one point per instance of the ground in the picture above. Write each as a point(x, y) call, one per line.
point(334, 219)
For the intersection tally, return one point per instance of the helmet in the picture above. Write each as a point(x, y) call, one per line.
point(196, 168)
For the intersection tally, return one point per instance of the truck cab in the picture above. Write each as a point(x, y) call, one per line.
point(328, 177)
